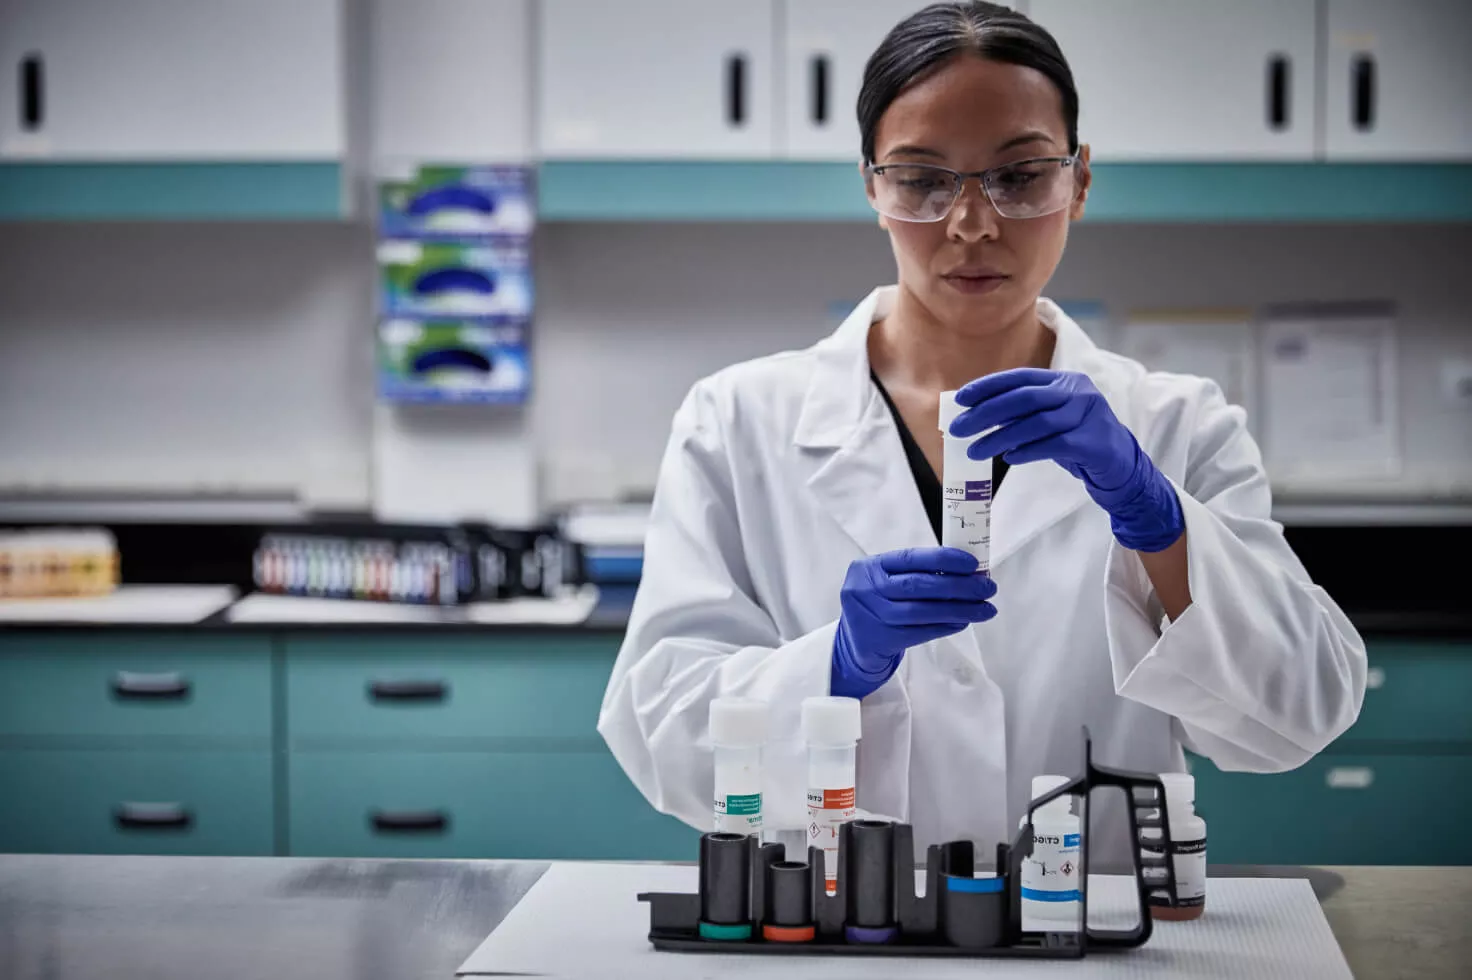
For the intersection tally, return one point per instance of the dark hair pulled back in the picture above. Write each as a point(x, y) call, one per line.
point(928, 38)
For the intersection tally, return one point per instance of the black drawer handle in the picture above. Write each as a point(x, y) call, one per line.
point(736, 90)
point(1362, 82)
point(408, 690)
point(32, 92)
point(152, 816)
point(169, 686)
point(1278, 80)
point(409, 821)
point(820, 89)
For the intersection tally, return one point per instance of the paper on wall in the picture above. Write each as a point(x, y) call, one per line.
point(1331, 399)
point(1220, 345)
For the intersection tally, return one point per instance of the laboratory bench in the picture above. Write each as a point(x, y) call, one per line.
point(162, 918)
point(443, 738)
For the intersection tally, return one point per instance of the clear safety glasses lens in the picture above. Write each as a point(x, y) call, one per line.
point(1026, 189)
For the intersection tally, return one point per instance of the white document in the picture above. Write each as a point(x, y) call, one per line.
point(1331, 398)
point(1219, 345)
point(1253, 929)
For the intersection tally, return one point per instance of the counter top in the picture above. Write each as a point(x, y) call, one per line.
point(162, 918)
point(217, 608)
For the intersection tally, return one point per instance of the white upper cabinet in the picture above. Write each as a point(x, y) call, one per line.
point(451, 81)
point(173, 79)
point(1190, 79)
point(1399, 80)
point(827, 44)
point(656, 79)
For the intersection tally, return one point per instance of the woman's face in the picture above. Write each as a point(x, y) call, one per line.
point(974, 269)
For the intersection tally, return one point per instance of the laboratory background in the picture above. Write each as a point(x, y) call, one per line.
point(340, 341)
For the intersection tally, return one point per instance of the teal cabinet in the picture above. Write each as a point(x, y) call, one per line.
point(136, 802)
point(476, 805)
point(1340, 808)
point(93, 684)
point(488, 686)
point(1418, 693)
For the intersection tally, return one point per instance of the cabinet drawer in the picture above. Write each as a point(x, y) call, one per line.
point(1340, 809)
point(125, 684)
point(535, 686)
point(475, 805)
point(118, 802)
point(1417, 691)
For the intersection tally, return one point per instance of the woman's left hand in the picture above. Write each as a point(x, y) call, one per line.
point(1060, 415)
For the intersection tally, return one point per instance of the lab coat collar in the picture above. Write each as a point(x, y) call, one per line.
point(866, 483)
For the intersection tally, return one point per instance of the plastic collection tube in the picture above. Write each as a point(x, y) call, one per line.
point(830, 727)
point(967, 482)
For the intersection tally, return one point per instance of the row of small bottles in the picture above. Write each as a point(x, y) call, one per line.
point(443, 567)
point(57, 562)
point(339, 568)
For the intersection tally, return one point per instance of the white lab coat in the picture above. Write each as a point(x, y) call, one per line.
point(781, 471)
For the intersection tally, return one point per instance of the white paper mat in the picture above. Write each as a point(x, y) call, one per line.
point(582, 920)
point(261, 607)
point(129, 604)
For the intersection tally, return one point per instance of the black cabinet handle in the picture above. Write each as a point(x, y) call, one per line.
point(152, 816)
point(1278, 79)
point(819, 71)
point(408, 690)
point(32, 92)
point(409, 821)
point(1362, 82)
point(736, 90)
point(158, 687)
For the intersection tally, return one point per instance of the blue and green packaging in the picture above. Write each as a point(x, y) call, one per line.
point(458, 202)
point(452, 361)
point(450, 279)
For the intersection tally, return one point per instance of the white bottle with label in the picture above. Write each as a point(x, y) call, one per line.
point(1051, 900)
point(1188, 850)
point(738, 730)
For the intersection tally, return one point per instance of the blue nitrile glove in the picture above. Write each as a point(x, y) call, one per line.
point(1060, 415)
point(900, 599)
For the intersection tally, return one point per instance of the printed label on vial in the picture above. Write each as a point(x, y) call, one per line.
point(1190, 867)
point(1050, 874)
point(739, 813)
point(968, 519)
point(829, 809)
point(1189, 862)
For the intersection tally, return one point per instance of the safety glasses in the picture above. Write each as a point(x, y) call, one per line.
point(924, 192)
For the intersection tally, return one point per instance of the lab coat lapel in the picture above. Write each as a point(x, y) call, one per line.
point(861, 475)
point(1035, 496)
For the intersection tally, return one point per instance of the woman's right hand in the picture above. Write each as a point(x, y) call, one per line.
point(900, 599)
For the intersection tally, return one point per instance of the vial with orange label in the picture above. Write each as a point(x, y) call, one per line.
point(830, 728)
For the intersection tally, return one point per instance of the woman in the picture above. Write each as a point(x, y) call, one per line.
point(1138, 583)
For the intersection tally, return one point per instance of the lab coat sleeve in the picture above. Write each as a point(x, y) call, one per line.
point(1263, 669)
point(697, 632)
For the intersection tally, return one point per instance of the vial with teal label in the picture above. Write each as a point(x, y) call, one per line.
point(738, 730)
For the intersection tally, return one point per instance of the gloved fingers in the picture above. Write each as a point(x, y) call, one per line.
point(1050, 447)
point(1033, 428)
point(978, 391)
point(952, 561)
point(913, 636)
point(1010, 406)
point(925, 585)
point(934, 612)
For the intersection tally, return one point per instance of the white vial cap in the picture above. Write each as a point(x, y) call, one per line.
point(1046, 784)
point(1180, 791)
point(738, 722)
point(949, 410)
point(830, 721)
